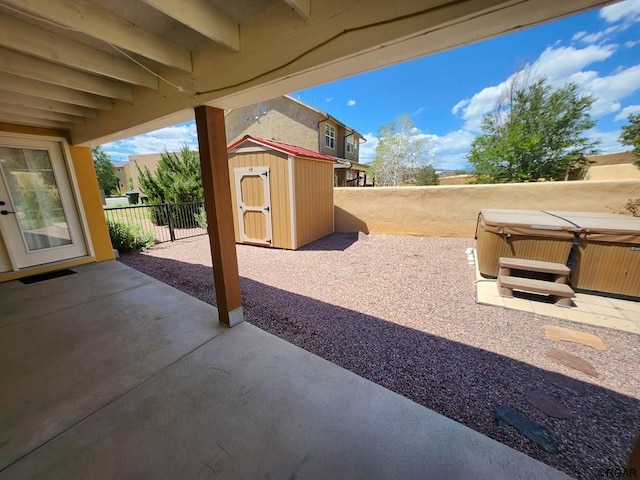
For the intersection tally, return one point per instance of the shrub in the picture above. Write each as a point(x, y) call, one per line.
point(632, 207)
point(201, 218)
point(128, 237)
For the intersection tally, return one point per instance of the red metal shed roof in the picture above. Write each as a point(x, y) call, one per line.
point(282, 147)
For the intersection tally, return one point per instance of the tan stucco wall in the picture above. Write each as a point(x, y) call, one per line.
point(455, 180)
point(149, 160)
point(123, 183)
point(451, 211)
point(625, 171)
point(279, 119)
point(286, 120)
point(611, 158)
point(91, 202)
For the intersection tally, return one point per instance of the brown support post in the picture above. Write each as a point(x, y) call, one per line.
point(217, 203)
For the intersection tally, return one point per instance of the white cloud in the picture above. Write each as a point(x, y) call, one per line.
point(461, 104)
point(631, 43)
point(328, 99)
point(608, 141)
point(451, 149)
point(169, 138)
point(578, 35)
point(368, 149)
point(594, 37)
point(626, 111)
point(557, 64)
point(609, 90)
point(417, 112)
point(453, 142)
point(629, 10)
point(351, 103)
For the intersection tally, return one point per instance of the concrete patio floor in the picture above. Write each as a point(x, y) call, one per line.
point(109, 373)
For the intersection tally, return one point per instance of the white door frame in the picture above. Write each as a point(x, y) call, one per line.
point(12, 236)
point(265, 209)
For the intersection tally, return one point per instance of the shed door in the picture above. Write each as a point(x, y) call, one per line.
point(253, 197)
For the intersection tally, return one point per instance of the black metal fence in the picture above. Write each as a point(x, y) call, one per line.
point(168, 221)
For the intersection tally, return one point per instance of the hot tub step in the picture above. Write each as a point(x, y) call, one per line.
point(561, 293)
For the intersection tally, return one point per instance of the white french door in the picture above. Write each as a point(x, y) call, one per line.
point(39, 219)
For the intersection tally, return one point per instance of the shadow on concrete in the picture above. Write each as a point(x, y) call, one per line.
point(460, 381)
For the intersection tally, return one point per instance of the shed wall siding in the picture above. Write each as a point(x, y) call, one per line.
point(279, 183)
point(314, 200)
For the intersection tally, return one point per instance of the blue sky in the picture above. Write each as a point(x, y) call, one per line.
point(447, 94)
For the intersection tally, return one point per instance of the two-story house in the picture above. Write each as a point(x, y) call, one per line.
point(287, 119)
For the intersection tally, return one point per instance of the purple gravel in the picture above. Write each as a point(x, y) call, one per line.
point(401, 312)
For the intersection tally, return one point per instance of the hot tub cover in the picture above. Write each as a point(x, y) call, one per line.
point(525, 223)
point(605, 227)
point(598, 227)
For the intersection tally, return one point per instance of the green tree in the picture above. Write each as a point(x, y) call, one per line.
point(630, 136)
point(401, 151)
point(536, 132)
point(426, 175)
point(105, 170)
point(176, 179)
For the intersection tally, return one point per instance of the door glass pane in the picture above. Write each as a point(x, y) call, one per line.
point(35, 197)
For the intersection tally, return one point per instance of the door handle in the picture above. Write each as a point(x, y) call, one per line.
point(5, 212)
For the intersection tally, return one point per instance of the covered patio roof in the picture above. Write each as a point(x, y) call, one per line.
point(108, 70)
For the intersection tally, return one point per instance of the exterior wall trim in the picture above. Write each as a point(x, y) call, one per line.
point(292, 203)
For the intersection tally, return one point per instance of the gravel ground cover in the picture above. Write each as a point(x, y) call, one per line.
point(401, 312)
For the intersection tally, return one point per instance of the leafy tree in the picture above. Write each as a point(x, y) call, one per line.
point(400, 151)
point(426, 175)
point(176, 179)
point(105, 170)
point(630, 136)
point(535, 132)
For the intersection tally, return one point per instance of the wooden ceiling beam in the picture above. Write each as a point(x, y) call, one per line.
point(106, 26)
point(35, 88)
point(38, 42)
point(41, 70)
point(201, 16)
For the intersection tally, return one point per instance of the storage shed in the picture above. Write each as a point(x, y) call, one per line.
point(282, 195)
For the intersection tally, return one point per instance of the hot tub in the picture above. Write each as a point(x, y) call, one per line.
point(529, 234)
point(606, 257)
point(609, 255)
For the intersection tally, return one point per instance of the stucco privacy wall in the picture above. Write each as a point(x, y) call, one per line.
point(452, 211)
point(90, 202)
point(627, 171)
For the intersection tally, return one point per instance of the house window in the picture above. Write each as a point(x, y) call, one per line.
point(329, 136)
point(351, 145)
point(119, 169)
